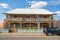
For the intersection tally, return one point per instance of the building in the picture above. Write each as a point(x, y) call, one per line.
point(1, 25)
point(29, 18)
point(58, 23)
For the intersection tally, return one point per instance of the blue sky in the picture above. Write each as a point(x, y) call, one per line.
point(51, 5)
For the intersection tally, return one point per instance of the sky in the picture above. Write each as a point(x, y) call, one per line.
point(51, 5)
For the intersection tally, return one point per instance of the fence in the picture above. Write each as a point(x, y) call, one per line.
point(21, 30)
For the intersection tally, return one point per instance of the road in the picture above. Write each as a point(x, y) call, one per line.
point(32, 36)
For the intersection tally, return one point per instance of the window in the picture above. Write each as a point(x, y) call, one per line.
point(15, 16)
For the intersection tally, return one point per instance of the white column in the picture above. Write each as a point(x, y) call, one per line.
point(30, 21)
point(49, 24)
point(38, 21)
point(5, 15)
point(14, 26)
point(8, 24)
point(20, 25)
point(50, 18)
point(8, 17)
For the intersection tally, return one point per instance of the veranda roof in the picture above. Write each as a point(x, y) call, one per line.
point(28, 11)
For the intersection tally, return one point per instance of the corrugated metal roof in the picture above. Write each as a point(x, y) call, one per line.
point(28, 11)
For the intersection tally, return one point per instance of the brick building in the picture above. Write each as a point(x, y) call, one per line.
point(1, 25)
point(29, 18)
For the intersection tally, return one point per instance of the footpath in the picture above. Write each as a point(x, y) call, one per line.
point(22, 34)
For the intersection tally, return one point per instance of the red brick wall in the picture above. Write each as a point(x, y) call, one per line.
point(5, 21)
point(1, 25)
point(54, 23)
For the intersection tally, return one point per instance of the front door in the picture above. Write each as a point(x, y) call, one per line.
point(15, 26)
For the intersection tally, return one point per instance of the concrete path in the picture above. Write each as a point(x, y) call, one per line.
point(21, 34)
point(31, 38)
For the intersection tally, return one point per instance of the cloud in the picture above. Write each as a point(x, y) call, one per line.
point(58, 13)
point(4, 5)
point(39, 4)
point(28, 1)
point(55, 2)
point(31, 1)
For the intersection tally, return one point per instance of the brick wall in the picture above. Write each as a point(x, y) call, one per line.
point(5, 21)
point(1, 25)
point(54, 23)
